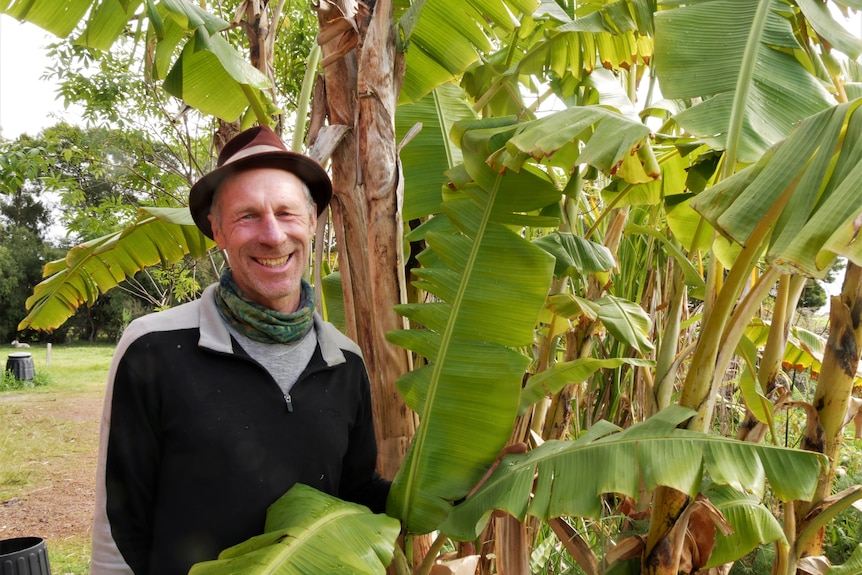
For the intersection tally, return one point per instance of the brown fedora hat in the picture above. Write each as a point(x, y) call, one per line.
point(257, 147)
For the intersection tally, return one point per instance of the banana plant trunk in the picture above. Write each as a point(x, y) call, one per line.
point(362, 76)
point(362, 73)
point(825, 427)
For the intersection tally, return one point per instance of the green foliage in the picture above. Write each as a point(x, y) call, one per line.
point(22, 255)
point(101, 178)
point(8, 381)
point(844, 534)
point(647, 455)
point(302, 527)
point(101, 175)
point(294, 39)
point(743, 75)
point(813, 296)
point(758, 562)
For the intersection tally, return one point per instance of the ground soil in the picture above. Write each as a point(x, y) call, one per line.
point(61, 505)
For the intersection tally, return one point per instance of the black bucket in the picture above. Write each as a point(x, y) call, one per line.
point(24, 556)
point(20, 364)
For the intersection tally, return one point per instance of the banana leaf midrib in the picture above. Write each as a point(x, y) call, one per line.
point(446, 340)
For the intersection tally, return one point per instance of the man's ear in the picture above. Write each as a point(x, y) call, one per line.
point(215, 228)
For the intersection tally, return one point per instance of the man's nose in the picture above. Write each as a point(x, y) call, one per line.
point(270, 230)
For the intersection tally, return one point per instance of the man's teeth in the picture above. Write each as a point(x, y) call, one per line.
point(273, 262)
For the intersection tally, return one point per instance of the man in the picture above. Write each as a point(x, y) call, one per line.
point(215, 408)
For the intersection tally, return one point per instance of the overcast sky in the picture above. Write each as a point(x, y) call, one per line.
point(27, 103)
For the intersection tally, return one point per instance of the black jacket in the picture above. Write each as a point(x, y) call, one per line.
point(198, 440)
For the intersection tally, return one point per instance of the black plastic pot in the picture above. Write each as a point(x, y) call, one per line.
point(24, 556)
point(21, 365)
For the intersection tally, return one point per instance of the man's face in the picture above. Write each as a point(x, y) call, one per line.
point(262, 219)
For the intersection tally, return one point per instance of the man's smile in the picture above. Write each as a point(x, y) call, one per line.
point(272, 262)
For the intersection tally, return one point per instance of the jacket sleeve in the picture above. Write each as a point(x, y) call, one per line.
point(128, 464)
point(360, 481)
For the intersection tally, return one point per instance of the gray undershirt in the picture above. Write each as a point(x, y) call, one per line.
point(284, 361)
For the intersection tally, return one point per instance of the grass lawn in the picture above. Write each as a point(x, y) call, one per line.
point(48, 447)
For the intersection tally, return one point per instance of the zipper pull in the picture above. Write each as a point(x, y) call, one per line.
point(288, 402)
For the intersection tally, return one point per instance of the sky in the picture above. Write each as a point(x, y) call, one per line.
point(27, 103)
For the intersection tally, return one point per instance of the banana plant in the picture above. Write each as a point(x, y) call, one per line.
point(757, 207)
point(488, 286)
point(298, 535)
point(569, 478)
point(160, 236)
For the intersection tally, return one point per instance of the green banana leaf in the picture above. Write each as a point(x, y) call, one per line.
point(701, 51)
point(160, 236)
point(753, 524)
point(430, 154)
point(490, 284)
point(817, 14)
point(303, 530)
point(574, 255)
point(552, 380)
point(213, 77)
point(217, 79)
point(816, 170)
point(609, 460)
point(565, 139)
point(333, 298)
point(853, 566)
point(471, 26)
point(626, 321)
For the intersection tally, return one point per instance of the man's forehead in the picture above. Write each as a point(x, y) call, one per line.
point(260, 174)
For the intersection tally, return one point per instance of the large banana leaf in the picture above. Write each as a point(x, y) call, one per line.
point(304, 529)
point(491, 284)
point(217, 79)
point(562, 478)
point(715, 49)
point(753, 524)
point(444, 37)
point(564, 139)
point(160, 236)
point(428, 156)
point(813, 176)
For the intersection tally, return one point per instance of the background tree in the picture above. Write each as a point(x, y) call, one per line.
point(813, 296)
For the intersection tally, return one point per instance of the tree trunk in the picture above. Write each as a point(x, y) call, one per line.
point(824, 431)
point(362, 86)
point(362, 73)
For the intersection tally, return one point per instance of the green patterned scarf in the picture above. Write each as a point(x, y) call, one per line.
point(259, 323)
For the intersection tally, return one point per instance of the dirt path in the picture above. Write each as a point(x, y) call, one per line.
point(61, 506)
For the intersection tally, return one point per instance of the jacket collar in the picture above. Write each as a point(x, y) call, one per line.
point(215, 336)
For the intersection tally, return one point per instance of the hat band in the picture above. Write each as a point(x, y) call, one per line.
point(251, 151)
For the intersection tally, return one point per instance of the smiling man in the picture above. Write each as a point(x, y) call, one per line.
point(215, 408)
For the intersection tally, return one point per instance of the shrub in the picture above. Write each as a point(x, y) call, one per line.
point(8, 381)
